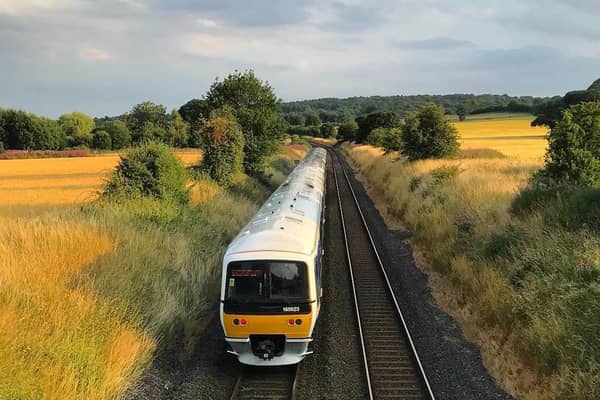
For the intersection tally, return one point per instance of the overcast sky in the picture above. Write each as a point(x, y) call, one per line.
point(101, 57)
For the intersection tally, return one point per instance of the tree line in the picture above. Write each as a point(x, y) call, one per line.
point(314, 112)
point(237, 123)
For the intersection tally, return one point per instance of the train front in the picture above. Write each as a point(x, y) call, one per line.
point(267, 312)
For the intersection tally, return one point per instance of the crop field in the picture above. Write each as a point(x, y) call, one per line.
point(30, 184)
point(513, 137)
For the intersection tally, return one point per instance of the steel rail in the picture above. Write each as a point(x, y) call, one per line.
point(388, 285)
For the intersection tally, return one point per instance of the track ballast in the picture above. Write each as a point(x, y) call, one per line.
point(392, 366)
point(269, 383)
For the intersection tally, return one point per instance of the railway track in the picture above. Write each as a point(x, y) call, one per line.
point(392, 366)
point(272, 383)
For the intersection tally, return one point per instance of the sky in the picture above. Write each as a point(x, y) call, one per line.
point(102, 57)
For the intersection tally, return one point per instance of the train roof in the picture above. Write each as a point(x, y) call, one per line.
point(289, 221)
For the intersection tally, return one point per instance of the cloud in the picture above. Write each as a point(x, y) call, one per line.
point(207, 22)
point(28, 7)
point(95, 54)
point(127, 51)
point(439, 43)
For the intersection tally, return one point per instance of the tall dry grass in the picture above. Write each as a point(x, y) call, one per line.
point(532, 276)
point(87, 293)
point(59, 340)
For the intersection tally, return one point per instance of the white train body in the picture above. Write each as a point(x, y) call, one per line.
point(271, 280)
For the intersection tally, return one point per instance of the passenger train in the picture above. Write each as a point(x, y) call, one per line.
point(271, 280)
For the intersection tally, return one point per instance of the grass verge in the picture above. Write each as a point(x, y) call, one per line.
point(530, 274)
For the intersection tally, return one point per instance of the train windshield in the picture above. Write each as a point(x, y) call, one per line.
point(266, 282)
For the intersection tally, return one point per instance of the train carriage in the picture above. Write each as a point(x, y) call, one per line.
point(271, 279)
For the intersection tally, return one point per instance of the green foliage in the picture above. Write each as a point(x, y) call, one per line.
point(311, 118)
point(147, 122)
point(299, 140)
point(21, 130)
point(427, 134)
point(376, 119)
point(257, 110)
point(295, 119)
point(340, 110)
point(151, 170)
point(78, 128)
point(550, 113)
point(2, 148)
point(120, 136)
point(573, 154)
point(347, 130)
point(328, 130)
point(392, 140)
point(223, 147)
point(194, 110)
point(377, 137)
point(570, 207)
point(101, 140)
point(177, 132)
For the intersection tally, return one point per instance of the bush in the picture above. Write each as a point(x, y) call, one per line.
point(427, 134)
point(328, 130)
point(377, 137)
point(223, 147)
point(347, 131)
point(574, 147)
point(102, 140)
point(151, 170)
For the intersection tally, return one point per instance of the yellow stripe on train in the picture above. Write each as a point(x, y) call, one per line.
point(293, 326)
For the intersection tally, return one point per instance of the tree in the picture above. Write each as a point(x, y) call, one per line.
point(101, 140)
point(573, 154)
point(311, 118)
point(347, 131)
point(150, 170)
point(120, 137)
point(377, 137)
point(550, 113)
point(223, 146)
point(294, 119)
point(329, 130)
point(147, 122)
point(77, 127)
point(256, 109)
point(177, 133)
point(194, 110)
point(428, 134)
point(373, 120)
point(21, 130)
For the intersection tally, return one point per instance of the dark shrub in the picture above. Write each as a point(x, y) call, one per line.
point(101, 140)
point(574, 147)
point(223, 147)
point(428, 134)
point(151, 170)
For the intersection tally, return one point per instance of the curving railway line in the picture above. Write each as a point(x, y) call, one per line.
point(392, 366)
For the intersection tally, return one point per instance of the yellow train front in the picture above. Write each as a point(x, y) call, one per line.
point(271, 281)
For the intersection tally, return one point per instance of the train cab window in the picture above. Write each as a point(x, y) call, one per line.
point(266, 282)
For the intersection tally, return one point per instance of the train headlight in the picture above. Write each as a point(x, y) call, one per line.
point(236, 321)
point(298, 321)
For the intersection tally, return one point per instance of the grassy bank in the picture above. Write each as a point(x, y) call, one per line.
point(89, 293)
point(531, 277)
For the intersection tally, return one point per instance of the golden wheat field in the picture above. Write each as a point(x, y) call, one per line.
point(59, 181)
point(511, 137)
